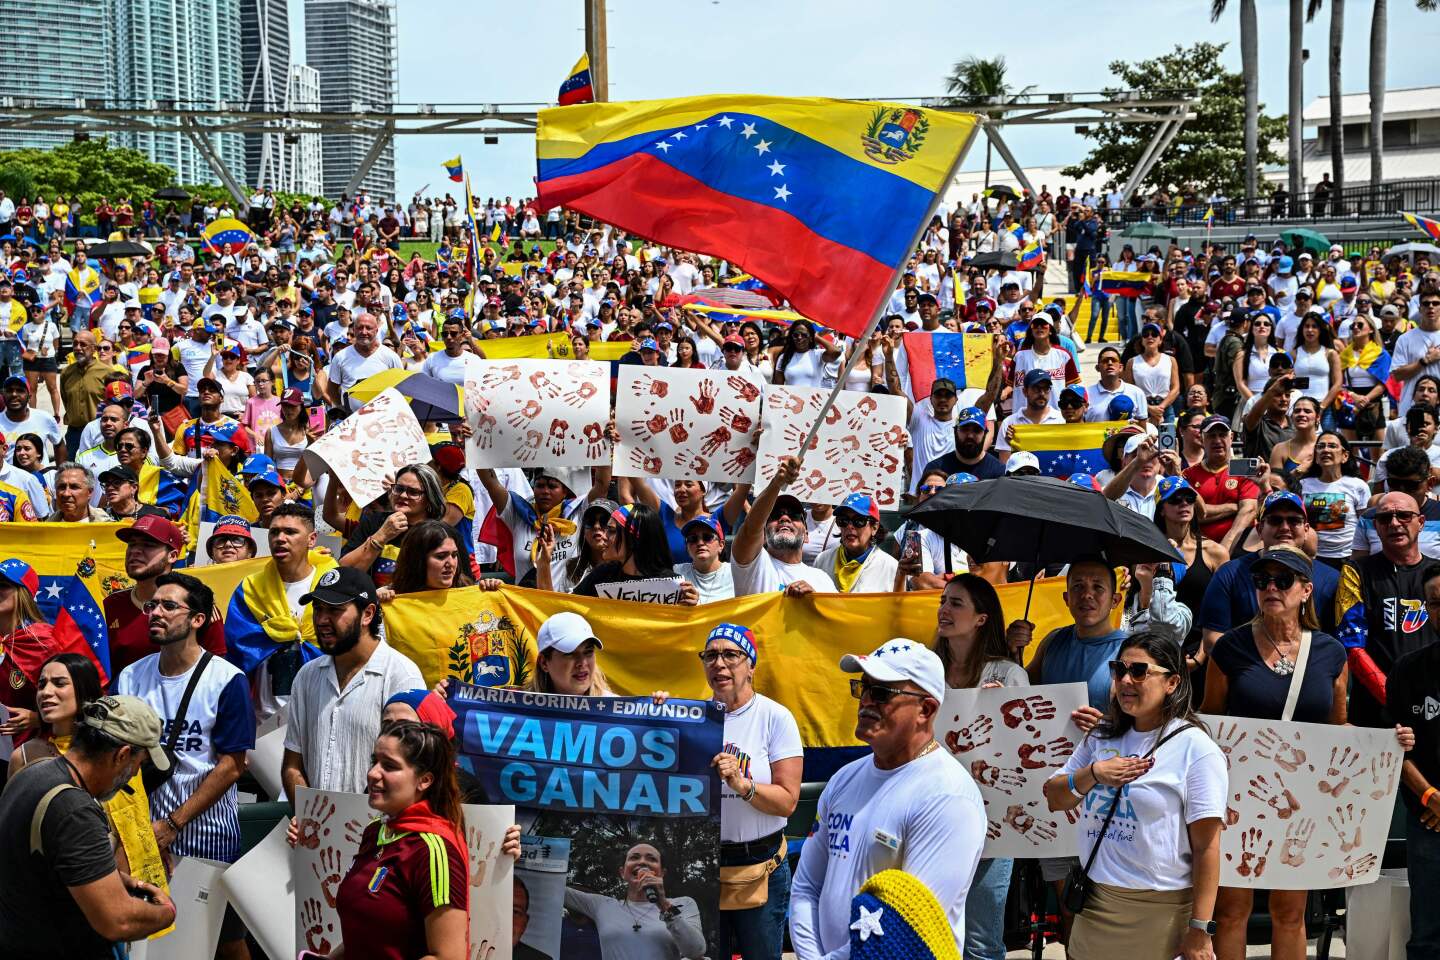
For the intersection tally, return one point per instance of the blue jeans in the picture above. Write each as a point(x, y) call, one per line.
point(1422, 850)
point(1129, 309)
point(1099, 317)
point(985, 910)
point(757, 933)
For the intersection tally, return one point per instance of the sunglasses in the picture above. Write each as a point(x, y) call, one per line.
point(852, 521)
point(1385, 517)
point(1183, 498)
point(930, 488)
point(697, 538)
point(414, 493)
point(783, 513)
point(729, 658)
point(1283, 580)
point(1286, 520)
point(1137, 671)
point(879, 695)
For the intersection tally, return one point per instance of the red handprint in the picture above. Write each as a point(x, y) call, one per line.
point(834, 453)
point(522, 415)
point(312, 915)
point(530, 449)
point(313, 819)
point(740, 461)
point(748, 391)
point(968, 737)
point(735, 420)
point(885, 496)
point(1252, 857)
point(648, 384)
point(988, 775)
point(794, 434)
point(1015, 712)
point(678, 433)
point(543, 385)
point(864, 408)
point(1344, 764)
point(814, 481)
point(832, 415)
point(1055, 750)
point(558, 430)
point(494, 378)
point(640, 461)
point(845, 485)
point(581, 393)
point(329, 873)
point(594, 435)
point(792, 402)
point(714, 440)
point(1277, 797)
point(705, 401)
point(698, 464)
point(484, 431)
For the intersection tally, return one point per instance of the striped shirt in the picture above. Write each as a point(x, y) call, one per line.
point(219, 721)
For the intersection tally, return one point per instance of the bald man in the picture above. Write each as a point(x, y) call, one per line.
point(82, 384)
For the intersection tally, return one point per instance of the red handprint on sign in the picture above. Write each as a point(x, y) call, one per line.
point(792, 402)
point(543, 385)
point(484, 431)
point(705, 401)
point(647, 384)
point(640, 461)
point(558, 429)
point(735, 420)
point(748, 391)
point(312, 916)
point(329, 872)
point(968, 737)
point(501, 375)
point(739, 462)
point(1015, 712)
point(814, 481)
point(582, 392)
point(523, 414)
point(594, 435)
point(678, 433)
point(864, 409)
point(832, 416)
point(714, 440)
point(1055, 750)
point(311, 827)
point(885, 496)
point(530, 449)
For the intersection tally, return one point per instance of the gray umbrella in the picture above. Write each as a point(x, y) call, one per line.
point(1410, 249)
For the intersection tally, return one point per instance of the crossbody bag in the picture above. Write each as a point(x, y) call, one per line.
point(152, 776)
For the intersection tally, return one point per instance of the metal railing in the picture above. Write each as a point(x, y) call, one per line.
point(1358, 202)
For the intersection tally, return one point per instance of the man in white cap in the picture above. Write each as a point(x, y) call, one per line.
point(908, 806)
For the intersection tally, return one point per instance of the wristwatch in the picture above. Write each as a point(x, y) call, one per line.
point(1207, 926)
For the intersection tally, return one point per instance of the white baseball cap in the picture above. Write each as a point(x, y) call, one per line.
point(900, 659)
point(565, 632)
point(1021, 459)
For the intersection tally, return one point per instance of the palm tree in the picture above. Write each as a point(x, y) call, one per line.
point(1379, 27)
point(1297, 99)
point(1250, 69)
point(974, 81)
point(1337, 124)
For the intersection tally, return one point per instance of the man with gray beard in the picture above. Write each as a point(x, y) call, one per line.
point(778, 522)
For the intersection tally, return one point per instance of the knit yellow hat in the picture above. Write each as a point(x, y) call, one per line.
point(896, 917)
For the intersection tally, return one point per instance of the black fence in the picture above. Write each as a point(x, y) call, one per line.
point(1355, 203)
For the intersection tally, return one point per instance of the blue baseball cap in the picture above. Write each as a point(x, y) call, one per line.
point(1037, 377)
point(648, 344)
point(1077, 390)
point(1121, 408)
point(861, 504)
point(458, 314)
point(708, 522)
point(1282, 498)
point(959, 478)
point(1170, 486)
point(260, 468)
point(973, 416)
point(1085, 481)
point(742, 637)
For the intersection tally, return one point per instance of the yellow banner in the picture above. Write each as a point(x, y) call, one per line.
point(555, 346)
point(650, 647)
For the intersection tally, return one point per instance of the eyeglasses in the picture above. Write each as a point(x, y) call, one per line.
point(1136, 671)
point(728, 657)
point(698, 538)
point(849, 521)
point(1402, 517)
point(879, 695)
point(414, 493)
point(1430, 303)
point(1282, 579)
point(169, 606)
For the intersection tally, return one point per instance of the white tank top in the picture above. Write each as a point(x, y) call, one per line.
point(1153, 381)
point(1258, 373)
point(1315, 366)
point(804, 370)
point(286, 455)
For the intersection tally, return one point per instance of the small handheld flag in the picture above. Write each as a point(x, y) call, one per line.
point(226, 235)
point(1427, 226)
point(577, 87)
point(454, 170)
point(1031, 257)
point(1209, 214)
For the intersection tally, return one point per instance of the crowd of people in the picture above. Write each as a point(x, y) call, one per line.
point(1275, 417)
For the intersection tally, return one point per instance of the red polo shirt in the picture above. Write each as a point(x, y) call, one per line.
point(129, 631)
point(394, 883)
point(1218, 488)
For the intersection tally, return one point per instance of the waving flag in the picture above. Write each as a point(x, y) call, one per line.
point(1127, 283)
point(1031, 257)
point(578, 87)
point(1374, 360)
point(259, 618)
point(454, 169)
point(1427, 226)
point(965, 358)
point(755, 179)
point(1065, 448)
point(226, 235)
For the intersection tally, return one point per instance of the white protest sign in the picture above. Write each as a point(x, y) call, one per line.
point(1013, 739)
point(658, 590)
point(199, 912)
point(860, 447)
point(331, 825)
point(526, 412)
point(540, 891)
point(262, 890)
point(370, 445)
point(687, 424)
point(266, 758)
point(1309, 804)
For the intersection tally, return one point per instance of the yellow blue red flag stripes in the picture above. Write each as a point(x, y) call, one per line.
point(1065, 448)
point(450, 633)
point(578, 87)
point(964, 359)
point(226, 235)
point(1031, 256)
point(819, 198)
point(259, 620)
point(454, 170)
point(1126, 283)
point(1427, 226)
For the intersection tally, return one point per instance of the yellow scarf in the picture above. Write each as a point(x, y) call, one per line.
point(563, 526)
point(846, 571)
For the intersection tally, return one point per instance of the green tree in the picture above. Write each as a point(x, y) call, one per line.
point(85, 170)
point(1250, 68)
point(1209, 151)
point(975, 81)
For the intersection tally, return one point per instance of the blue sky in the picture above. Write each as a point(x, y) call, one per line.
point(485, 52)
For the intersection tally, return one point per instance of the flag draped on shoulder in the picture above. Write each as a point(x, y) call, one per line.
point(258, 620)
point(1374, 360)
point(819, 198)
point(1065, 448)
point(578, 86)
point(218, 493)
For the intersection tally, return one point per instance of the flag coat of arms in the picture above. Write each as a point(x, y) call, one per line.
point(818, 198)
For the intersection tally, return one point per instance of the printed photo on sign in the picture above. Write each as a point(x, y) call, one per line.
point(540, 896)
point(1013, 739)
point(860, 447)
point(659, 590)
point(1309, 804)
point(367, 447)
point(528, 412)
point(629, 784)
point(687, 424)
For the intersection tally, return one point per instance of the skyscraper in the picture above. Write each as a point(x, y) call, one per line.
point(53, 50)
point(303, 152)
point(265, 66)
point(181, 52)
point(353, 44)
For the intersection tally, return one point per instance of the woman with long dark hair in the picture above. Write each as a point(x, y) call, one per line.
point(431, 558)
point(374, 541)
point(800, 361)
point(1316, 358)
point(1177, 514)
point(1151, 768)
point(1334, 495)
point(1357, 357)
point(1294, 455)
point(1252, 363)
point(970, 641)
point(638, 551)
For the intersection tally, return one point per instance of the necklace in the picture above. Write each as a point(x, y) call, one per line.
point(930, 747)
point(1284, 666)
point(634, 917)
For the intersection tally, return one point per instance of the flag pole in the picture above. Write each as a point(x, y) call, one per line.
point(885, 299)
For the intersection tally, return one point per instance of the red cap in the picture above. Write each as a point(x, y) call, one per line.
point(292, 397)
point(157, 528)
point(119, 390)
point(733, 339)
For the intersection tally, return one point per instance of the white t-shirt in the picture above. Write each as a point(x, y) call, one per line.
point(1100, 397)
point(1333, 508)
point(877, 573)
point(1410, 347)
point(442, 366)
point(193, 357)
point(518, 515)
point(718, 584)
point(234, 394)
point(636, 931)
point(759, 733)
point(348, 367)
point(925, 817)
point(39, 423)
point(1148, 845)
point(765, 573)
point(930, 439)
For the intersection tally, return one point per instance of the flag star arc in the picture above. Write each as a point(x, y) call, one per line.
point(662, 145)
point(747, 131)
point(725, 121)
point(763, 146)
point(679, 134)
point(776, 168)
point(782, 193)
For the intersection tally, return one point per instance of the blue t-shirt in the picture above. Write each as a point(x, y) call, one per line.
point(1072, 659)
point(1257, 691)
point(1230, 597)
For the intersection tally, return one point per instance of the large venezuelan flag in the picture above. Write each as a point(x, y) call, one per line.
point(1065, 448)
point(258, 618)
point(226, 235)
point(1427, 226)
point(578, 87)
point(1127, 283)
point(965, 358)
point(819, 198)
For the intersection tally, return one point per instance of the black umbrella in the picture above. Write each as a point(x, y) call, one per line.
point(1002, 192)
point(171, 193)
point(111, 249)
point(995, 261)
point(1041, 520)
